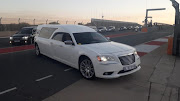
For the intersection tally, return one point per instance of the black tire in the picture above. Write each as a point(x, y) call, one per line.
point(37, 50)
point(86, 68)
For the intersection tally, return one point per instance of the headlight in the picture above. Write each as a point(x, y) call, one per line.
point(135, 53)
point(10, 38)
point(105, 58)
point(25, 37)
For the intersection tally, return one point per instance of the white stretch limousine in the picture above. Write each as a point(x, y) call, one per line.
point(83, 48)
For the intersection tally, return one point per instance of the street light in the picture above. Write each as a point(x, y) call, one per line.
point(0, 20)
point(34, 21)
point(46, 21)
point(19, 20)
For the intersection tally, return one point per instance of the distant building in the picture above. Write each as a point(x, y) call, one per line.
point(107, 23)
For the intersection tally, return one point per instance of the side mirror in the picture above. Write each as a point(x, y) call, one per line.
point(68, 42)
point(108, 38)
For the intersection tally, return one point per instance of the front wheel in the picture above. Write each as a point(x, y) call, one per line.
point(37, 50)
point(86, 68)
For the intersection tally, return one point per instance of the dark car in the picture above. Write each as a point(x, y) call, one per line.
point(24, 36)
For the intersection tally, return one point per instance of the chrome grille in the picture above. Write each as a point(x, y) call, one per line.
point(127, 60)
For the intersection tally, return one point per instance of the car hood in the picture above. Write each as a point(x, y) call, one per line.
point(108, 47)
point(20, 35)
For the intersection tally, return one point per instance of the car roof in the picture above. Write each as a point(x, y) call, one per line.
point(70, 28)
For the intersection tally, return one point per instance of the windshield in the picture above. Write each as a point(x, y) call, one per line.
point(89, 38)
point(26, 31)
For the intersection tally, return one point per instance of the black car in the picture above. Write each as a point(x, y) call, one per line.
point(24, 36)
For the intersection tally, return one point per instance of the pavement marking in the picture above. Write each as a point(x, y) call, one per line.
point(68, 69)
point(159, 43)
point(8, 90)
point(146, 48)
point(141, 53)
point(16, 49)
point(161, 40)
point(121, 35)
point(44, 78)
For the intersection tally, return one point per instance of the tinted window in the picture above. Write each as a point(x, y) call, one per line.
point(26, 31)
point(66, 37)
point(46, 32)
point(89, 38)
point(58, 36)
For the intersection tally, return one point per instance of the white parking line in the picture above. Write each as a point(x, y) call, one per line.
point(44, 78)
point(146, 48)
point(161, 40)
point(8, 90)
point(68, 69)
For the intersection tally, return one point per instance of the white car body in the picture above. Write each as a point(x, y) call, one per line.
point(70, 54)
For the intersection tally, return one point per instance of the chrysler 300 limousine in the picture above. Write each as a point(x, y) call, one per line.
point(85, 49)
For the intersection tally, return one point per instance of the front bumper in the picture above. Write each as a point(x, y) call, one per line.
point(115, 69)
point(18, 41)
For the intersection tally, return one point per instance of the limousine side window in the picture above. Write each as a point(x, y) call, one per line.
point(58, 36)
point(46, 32)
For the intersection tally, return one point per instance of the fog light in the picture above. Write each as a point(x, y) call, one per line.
point(25, 41)
point(107, 73)
point(10, 42)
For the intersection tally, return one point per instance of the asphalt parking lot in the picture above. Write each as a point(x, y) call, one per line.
point(26, 77)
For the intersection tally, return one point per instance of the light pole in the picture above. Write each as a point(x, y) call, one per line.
point(74, 22)
point(0, 20)
point(46, 21)
point(176, 39)
point(34, 21)
point(19, 20)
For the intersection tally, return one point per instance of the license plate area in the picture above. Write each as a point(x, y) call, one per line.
point(16, 40)
point(128, 68)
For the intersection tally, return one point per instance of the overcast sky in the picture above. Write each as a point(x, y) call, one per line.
point(84, 10)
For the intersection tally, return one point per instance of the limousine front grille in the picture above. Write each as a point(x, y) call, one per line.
point(127, 60)
point(17, 38)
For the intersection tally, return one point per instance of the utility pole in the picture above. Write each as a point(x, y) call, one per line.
point(34, 21)
point(176, 39)
point(0, 20)
point(19, 20)
point(46, 21)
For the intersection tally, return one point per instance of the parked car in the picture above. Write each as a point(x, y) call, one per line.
point(102, 29)
point(130, 28)
point(112, 28)
point(24, 36)
point(122, 28)
point(136, 28)
point(93, 27)
point(87, 50)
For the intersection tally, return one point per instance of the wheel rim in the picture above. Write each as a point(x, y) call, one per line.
point(86, 68)
point(37, 50)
